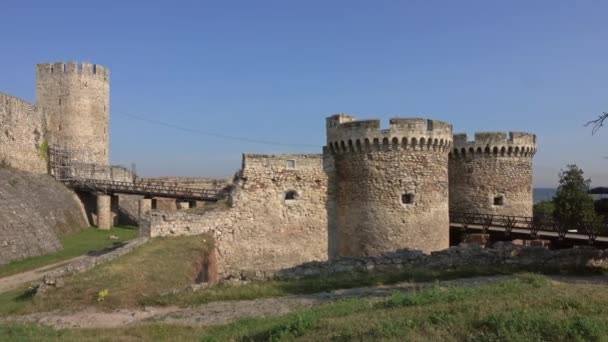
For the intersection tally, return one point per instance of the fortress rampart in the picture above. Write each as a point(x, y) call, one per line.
point(516, 144)
point(22, 135)
point(277, 218)
point(493, 173)
point(390, 186)
point(345, 134)
point(76, 100)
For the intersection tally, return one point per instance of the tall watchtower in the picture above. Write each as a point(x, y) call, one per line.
point(391, 185)
point(492, 174)
point(76, 100)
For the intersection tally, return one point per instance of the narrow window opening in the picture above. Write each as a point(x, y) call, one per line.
point(429, 125)
point(499, 200)
point(291, 164)
point(291, 195)
point(407, 198)
point(60, 102)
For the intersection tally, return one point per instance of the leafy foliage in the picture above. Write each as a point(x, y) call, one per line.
point(544, 208)
point(572, 202)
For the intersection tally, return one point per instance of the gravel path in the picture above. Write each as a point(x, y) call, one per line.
point(15, 281)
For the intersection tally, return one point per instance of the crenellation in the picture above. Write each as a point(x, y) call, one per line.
point(511, 144)
point(403, 133)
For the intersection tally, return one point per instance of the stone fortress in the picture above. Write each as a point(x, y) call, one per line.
point(371, 190)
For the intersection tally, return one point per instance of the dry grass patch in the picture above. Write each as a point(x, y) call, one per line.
point(156, 267)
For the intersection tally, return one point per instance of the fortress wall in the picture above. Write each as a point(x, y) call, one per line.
point(34, 211)
point(22, 135)
point(188, 182)
point(76, 100)
point(495, 166)
point(262, 231)
point(391, 185)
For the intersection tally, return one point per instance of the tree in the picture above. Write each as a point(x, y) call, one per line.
point(544, 209)
point(573, 204)
point(597, 123)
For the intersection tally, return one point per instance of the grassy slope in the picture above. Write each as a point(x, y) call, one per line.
point(528, 309)
point(73, 245)
point(158, 266)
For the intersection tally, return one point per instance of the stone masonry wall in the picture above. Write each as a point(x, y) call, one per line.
point(188, 182)
point(391, 186)
point(262, 230)
point(492, 167)
point(34, 211)
point(76, 100)
point(22, 135)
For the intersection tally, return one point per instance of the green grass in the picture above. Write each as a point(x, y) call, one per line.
point(530, 308)
point(160, 265)
point(277, 288)
point(74, 245)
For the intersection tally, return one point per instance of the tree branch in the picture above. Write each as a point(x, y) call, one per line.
point(597, 123)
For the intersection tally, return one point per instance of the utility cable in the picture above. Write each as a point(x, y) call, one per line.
point(212, 134)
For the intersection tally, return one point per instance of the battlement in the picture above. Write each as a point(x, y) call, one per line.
point(517, 144)
point(73, 68)
point(346, 134)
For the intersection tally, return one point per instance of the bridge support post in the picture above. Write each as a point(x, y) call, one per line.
point(145, 205)
point(104, 212)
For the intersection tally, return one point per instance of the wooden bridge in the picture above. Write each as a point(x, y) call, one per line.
point(145, 189)
point(532, 227)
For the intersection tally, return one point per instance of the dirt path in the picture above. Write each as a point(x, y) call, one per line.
point(228, 311)
point(14, 281)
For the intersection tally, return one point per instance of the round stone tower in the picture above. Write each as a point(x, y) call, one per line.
point(492, 174)
point(76, 100)
point(390, 186)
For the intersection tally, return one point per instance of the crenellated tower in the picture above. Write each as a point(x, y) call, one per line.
point(76, 100)
point(390, 186)
point(493, 173)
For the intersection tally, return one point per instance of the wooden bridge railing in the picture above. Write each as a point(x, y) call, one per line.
point(147, 189)
point(533, 225)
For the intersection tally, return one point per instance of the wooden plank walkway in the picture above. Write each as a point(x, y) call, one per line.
point(146, 189)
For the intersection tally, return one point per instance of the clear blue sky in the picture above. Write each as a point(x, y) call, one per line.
point(275, 69)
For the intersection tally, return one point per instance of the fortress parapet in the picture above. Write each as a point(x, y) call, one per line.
point(346, 134)
point(512, 144)
point(87, 69)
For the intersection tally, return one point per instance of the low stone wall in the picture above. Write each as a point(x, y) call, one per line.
point(502, 254)
point(55, 277)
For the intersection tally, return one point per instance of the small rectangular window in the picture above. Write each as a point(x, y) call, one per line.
point(407, 198)
point(291, 164)
point(499, 200)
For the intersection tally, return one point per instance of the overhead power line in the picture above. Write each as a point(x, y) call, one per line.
point(216, 135)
